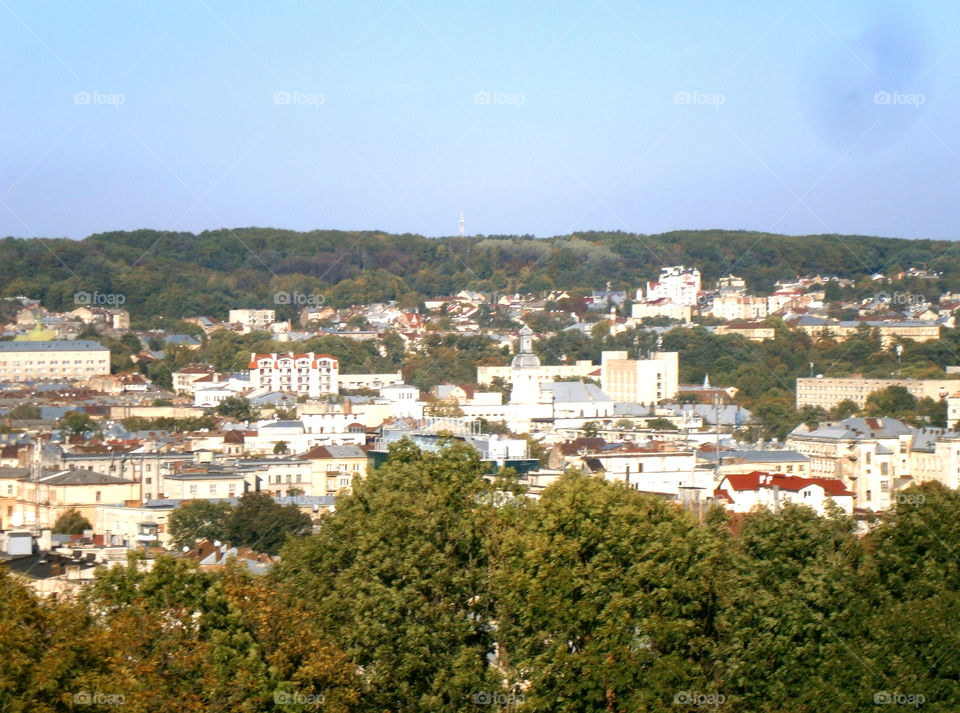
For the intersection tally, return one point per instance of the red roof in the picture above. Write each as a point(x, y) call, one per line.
point(793, 483)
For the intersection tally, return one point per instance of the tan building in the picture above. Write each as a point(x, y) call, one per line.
point(333, 468)
point(889, 332)
point(256, 319)
point(54, 359)
point(827, 392)
point(735, 308)
point(753, 331)
point(64, 489)
point(644, 381)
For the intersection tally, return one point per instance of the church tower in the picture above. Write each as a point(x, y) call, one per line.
point(525, 371)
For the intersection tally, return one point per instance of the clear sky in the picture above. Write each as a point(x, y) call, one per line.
point(536, 118)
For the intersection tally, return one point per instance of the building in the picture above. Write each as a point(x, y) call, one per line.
point(40, 503)
point(661, 307)
point(738, 307)
point(651, 470)
point(255, 319)
point(643, 381)
point(309, 374)
point(525, 371)
point(888, 331)
point(748, 492)
point(827, 392)
point(52, 360)
point(870, 455)
point(333, 468)
point(680, 284)
point(349, 382)
point(751, 331)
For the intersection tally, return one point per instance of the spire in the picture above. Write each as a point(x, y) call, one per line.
point(706, 381)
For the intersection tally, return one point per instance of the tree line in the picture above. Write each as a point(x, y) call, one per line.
point(431, 588)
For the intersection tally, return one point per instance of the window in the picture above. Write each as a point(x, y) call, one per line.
point(193, 489)
point(98, 496)
point(147, 481)
point(213, 488)
point(233, 488)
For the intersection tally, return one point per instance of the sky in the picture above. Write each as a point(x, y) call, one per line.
point(530, 118)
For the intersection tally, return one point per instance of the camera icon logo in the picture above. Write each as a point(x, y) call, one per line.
point(83, 698)
point(281, 97)
point(482, 698)
point(882, 98)
point(81, 97)
point(281, 698)
point(82, 298)
point(281, 298)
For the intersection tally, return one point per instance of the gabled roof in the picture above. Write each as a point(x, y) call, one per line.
point(756, 480)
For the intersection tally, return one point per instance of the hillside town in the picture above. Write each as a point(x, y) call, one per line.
point(121, 451)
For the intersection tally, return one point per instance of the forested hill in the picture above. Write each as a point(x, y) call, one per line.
point(183, 274)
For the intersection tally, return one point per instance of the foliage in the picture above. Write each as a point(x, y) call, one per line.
point(262, 524)
point(78, 423)
point(198, 520)
point(71, 522)
point(238, 408)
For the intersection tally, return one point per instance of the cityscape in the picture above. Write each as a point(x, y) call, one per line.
point(645, 396)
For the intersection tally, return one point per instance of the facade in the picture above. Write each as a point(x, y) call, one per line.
point(827, 392)
point(870, 455)
point(368, 381)
point(644, 381)
point(333, 468)
point(749, 492)
point(255, 319)
point(52, 360)
point(40, 503)
point(736, 307)
point(661, 307)
point(309, 374)
point(679, 283)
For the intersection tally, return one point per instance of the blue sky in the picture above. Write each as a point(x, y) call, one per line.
point(532, 118)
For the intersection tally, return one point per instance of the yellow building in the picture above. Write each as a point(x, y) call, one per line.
point(43, 501)
point(52, 359)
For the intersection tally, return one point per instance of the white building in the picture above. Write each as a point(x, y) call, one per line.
point(748, 492)
point(309, 374)
point(53, 359)
point(258, 319)
point(678, 283)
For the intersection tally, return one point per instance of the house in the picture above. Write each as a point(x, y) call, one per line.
point(749, 492)
point(40, 503)
point(333, 468)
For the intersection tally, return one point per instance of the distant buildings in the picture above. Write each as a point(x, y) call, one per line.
point(643, 381)
point(309, 374)
point(255, 319)
point(49, 360)
point(827, 392)
point(679, 284)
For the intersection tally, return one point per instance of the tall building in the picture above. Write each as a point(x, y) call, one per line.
point(525, 371)
point(308, 374)
point(643, 381)
point(679, 283)
point(52, 359)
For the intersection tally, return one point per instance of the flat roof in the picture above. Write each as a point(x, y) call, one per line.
point(54, 345)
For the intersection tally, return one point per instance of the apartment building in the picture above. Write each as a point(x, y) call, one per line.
point(255, 319)
point(680, 284)
point(870, 455)
point(748, 492)
point(644, 381)
point(52, 360)
point(827, 392)
point(308, 374)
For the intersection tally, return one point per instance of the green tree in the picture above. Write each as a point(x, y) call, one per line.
point(71, 522)
point(399, 574)
point(262, 524)
point(238, 408)
point(78, 423)
point(198, 520)
point(891, 402)
point(591, 429)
